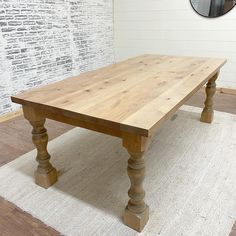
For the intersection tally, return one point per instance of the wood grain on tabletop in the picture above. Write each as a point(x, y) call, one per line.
point(121, 95)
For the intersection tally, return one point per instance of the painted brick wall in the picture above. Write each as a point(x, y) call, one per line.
point(42, 41)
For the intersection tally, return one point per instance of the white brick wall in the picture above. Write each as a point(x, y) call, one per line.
point(42, 41)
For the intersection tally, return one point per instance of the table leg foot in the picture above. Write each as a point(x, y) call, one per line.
point(207, 116)
point(136, 221)
point(45, 180)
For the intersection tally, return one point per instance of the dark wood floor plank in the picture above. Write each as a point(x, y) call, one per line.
point(15, 222)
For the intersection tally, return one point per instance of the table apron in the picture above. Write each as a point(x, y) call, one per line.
point(83, 124)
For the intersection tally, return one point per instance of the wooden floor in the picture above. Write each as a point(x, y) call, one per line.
point(16, 140)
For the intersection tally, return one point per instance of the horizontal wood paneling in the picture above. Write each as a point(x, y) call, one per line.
point(156, 26)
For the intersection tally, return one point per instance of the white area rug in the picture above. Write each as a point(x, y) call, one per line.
point(190, 182)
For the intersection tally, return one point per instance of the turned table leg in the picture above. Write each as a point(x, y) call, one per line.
point(208, 113)
point(46, 174)
point(136, 213)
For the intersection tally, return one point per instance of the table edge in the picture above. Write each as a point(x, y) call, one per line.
point(49, 110)
point(122, 127)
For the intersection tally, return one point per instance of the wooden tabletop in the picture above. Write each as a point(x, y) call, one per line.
point(136, 95)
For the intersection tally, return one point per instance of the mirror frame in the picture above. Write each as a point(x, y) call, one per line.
point(210, 17)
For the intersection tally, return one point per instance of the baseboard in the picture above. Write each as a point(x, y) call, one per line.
point(227, 91)
point(10, 115)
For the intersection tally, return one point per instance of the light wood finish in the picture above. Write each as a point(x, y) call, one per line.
point(136, 212)
point(208, 113)
point(118, 96)
point(130, 100)
point(12, 115)
point(46, 174)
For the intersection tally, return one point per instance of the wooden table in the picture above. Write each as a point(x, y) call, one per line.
point(130, 100)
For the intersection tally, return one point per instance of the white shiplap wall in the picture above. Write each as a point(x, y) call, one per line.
point(158, 26)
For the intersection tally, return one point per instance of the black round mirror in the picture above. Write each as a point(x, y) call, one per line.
point(212, 8)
